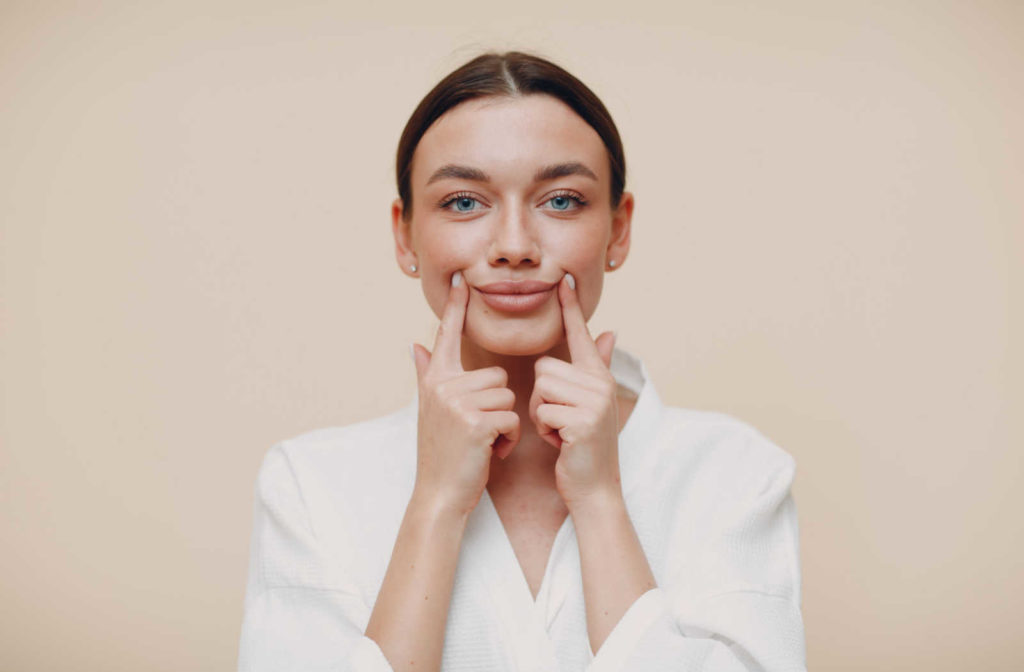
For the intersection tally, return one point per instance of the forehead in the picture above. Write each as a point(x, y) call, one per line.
point(509, 138)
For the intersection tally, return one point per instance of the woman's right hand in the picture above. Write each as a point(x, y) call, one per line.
point(464, 416)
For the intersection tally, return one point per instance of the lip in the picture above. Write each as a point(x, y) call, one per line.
point(517, 287)
point(519, 296)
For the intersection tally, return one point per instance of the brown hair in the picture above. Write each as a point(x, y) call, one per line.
point(512, 73)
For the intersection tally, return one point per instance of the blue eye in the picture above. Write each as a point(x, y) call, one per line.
point(566, 202)
point(463, 203)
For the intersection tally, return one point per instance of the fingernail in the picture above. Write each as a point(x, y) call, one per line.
point(457, 279)
point(572, 280)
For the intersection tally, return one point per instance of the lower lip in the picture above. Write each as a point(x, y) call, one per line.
point(516, 303)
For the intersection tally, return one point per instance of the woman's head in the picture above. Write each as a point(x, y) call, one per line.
point(511, 170)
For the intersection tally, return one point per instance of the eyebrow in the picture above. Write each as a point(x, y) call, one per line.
point(546, 173)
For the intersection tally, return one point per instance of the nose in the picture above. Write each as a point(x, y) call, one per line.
point(514, 242)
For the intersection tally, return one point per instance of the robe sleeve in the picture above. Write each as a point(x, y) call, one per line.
point(302, 608)
point(749, 621)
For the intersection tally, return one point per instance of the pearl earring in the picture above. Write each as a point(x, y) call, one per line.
point(412, 268)
point(612, 263)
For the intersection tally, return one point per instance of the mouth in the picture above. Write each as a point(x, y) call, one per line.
point(519, 296)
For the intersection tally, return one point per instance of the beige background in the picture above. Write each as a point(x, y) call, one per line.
point(197, 263)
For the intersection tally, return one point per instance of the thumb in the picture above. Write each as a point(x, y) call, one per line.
point(605, 343)
point(420, 358)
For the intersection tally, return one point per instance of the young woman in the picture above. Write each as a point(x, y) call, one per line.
point(536, 506)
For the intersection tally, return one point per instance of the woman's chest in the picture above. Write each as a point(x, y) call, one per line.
point(531, 524)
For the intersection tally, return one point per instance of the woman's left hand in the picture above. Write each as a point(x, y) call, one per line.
point(574, 408)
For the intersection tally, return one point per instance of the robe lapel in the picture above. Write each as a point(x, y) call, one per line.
point(494, 565)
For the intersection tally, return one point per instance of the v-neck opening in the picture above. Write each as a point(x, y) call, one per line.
point(510, 552)
point(522, 617)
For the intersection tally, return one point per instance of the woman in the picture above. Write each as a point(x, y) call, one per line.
point(535, 504)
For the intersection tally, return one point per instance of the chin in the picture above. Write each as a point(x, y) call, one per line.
point(523, 341)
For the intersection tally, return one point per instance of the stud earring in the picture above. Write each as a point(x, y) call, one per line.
point(412, 268)
point(611, 263)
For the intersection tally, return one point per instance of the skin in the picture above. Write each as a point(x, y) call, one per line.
point(519, 403)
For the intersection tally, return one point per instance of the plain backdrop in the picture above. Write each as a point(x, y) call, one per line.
point(197, 263)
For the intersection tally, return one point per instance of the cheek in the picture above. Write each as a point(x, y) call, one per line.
point(590, 294)
point(439, 261)
point(580, 244)
point(585, 260)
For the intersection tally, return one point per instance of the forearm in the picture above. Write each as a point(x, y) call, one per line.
point(411, 611)
point(614, 568)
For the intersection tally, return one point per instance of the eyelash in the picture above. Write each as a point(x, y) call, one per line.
point(578, 198)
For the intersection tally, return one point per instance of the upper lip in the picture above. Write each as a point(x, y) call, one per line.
point(516, 287)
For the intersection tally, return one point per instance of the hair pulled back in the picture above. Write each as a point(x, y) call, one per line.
point(510, 74)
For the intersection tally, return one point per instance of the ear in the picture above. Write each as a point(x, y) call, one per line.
point(402, 230)
point(618, 244)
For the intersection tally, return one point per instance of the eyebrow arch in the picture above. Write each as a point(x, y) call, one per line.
point(563, 170)
point(459, 173)
point(544, 174)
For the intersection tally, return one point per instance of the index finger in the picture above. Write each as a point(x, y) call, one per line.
point(448, 344)
point(582, 349)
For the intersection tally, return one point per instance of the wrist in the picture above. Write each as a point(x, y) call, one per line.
point(597, 504)
point(436, 508)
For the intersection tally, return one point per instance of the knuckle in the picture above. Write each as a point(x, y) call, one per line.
point(478, 425)
point(534, 395)
point(541, 386)
point(442, 388)
point(500, 373)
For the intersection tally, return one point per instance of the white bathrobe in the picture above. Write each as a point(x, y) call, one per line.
point(709, 497)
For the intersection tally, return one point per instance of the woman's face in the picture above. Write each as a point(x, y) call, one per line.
point(512, 190)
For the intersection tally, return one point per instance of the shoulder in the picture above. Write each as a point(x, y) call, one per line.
point(361, 443)
point(336, 496)
point(370, 458)
point(721, 449)
point(375, 429)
